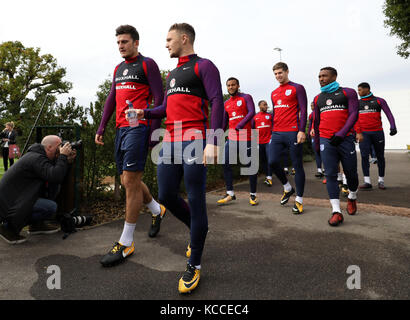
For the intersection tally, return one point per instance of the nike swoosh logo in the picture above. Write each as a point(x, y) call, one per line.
point(352, 152)
point(381, 141)
point(125, 252)
point(193, 159)
point(186, 68)
point(295, 143)
point(130, 164)
point(336, 94)
point(189, 285)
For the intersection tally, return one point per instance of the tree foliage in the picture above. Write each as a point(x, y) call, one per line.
point(99, 160)
point(27, 75)
point(397, 14)
point(164, 74)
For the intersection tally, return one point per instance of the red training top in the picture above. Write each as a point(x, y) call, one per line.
point(263, 122)
point(239, 110)
point(289, 107)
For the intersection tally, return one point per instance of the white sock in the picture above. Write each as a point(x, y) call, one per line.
point(253, 194)
point(335, 205)
point(339, 176)
point(287, 187)
point(154, 207)
point(198, 267)
point(367, 180)
point(352, 195)
point(299, 199)
point(319, 170)
point(127, 236)
point(231, 193)
point(381, 179)
point(269, 177)
point(344, 179)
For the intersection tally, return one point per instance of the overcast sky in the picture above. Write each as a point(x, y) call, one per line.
point(238, 36)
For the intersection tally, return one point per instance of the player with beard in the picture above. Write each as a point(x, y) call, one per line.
point(263, 122)
point(335, 113)
point(239, 112)
point(137, 79)
point(370, 132)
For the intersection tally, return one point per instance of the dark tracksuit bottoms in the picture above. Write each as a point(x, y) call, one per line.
point(331, 156)
point(233, 147)
point(264, 158)
point(170, 174)
point(375, 139)
point(317, 156)
point(287, 141)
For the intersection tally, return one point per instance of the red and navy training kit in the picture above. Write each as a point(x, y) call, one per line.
point(191, 86)
point(139, 81)
point(370, 125)
point(289, 117)
point(316, 150)
point(335, 114)
point(263, 122)
point(238, 115)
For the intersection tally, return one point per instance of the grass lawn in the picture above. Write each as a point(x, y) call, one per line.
point(1, 168)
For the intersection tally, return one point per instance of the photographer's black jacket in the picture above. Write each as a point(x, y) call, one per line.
point(21, 185)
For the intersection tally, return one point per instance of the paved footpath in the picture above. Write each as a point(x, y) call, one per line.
point(256, 253)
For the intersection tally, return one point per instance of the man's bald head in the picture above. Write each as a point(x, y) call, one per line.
point(51, 145)
point(50, 140)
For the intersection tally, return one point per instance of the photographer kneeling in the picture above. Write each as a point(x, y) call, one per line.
point(22, 187)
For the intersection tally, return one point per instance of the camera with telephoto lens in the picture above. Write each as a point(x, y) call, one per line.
point(76, 145)
point(69, 222)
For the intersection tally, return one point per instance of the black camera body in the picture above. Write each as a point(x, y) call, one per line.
point(76, 145)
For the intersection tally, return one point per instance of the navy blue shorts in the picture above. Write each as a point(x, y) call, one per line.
point(131, 148)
